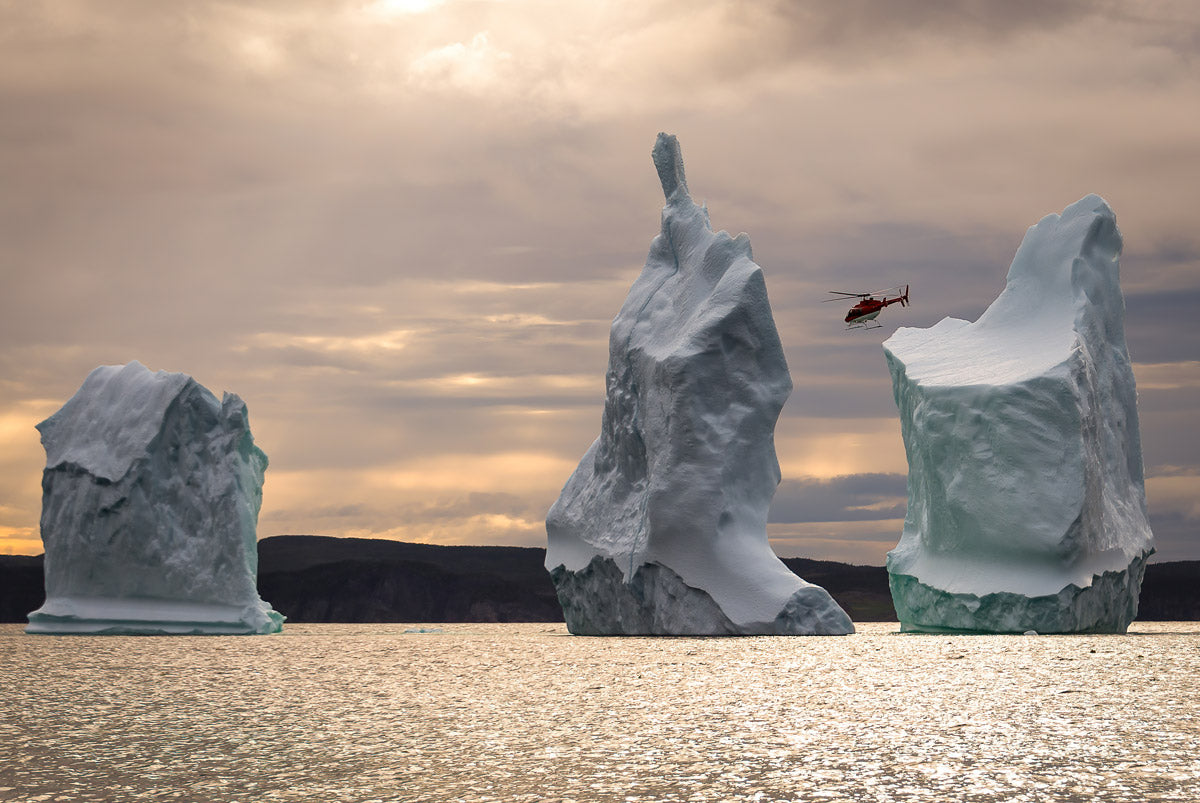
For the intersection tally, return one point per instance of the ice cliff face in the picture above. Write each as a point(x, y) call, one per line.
point(662, 527)
point(150, 501)
point(1026, 500)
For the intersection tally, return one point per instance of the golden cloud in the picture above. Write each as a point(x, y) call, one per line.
point(1179, 493)
point(1167, 375)
point(836, 447)
point(859, 542)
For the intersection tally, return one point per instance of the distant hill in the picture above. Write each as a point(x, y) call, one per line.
point(1171, 592)
point(21, 587)
point(321, 579)
point(862, 591)
point(312, 578)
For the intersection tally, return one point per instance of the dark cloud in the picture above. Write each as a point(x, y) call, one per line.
point(844, 399)
point(1159, 326)
point(860, 497)
point(1167, 438)
point(858, 34)
point(1176, 536)
point(1177, 251)
point(1156, 401)
point(858, 29)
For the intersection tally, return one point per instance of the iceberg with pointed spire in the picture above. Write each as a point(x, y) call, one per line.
point(150, 501)
point(1026, 496)
point(661, 530)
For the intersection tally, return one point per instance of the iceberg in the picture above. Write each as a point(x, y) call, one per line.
point(150, 501)
point(1026, 496)
point(661, 530)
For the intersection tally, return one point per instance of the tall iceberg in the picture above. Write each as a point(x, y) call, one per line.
point(1026, 498)
point(150, 501)
point(661, 530)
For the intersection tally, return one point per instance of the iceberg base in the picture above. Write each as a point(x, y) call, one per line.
point(151, 617)
point(597, 601)
point(1108, 605)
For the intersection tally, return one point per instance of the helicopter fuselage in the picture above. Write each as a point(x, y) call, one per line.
point(866, 310)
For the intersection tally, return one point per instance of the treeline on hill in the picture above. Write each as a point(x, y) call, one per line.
point(312, 578)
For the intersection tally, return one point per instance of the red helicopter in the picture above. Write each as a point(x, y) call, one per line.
point(868, 307)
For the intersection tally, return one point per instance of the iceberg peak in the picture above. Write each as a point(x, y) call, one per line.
point(1063, 287)
point(134, 401)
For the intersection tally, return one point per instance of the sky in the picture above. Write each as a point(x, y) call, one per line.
point(400, 230)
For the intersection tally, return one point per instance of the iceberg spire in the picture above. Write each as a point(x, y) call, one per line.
point(668, 161)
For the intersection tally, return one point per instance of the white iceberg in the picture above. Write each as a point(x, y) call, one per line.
point(150, 501)
point(1026, 497)
point(662, 527)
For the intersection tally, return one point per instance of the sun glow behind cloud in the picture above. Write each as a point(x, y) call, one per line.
point(438, 498)
point(19, 540)
point(384, 342)
point(22, 457)
point(392, 8)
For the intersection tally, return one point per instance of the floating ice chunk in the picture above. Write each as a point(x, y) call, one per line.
point(150, 501)
point(1026, 500)
point(662, 527)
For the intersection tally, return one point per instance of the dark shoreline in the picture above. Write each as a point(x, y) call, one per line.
point(311, 578)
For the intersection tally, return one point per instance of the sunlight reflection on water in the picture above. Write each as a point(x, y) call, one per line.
point(527, 712)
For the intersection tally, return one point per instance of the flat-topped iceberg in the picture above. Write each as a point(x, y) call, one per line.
point(1026, 498)
point(150, 501)
point(662, 527)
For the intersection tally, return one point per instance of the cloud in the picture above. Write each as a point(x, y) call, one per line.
point(859, 32)
point(826, 447)
point(431, 502)
point(860, 497)
point(1175, 536)
point(1175, 493)
point(1153, 324)
point(20, 540)
point(1167, 376)
point(392, 8)
point(400, 231)
point(476, 66)
point(863, 543)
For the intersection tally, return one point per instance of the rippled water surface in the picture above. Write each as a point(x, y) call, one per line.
point(527, 712)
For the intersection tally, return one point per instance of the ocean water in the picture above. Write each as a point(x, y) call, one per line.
point(526, 712)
